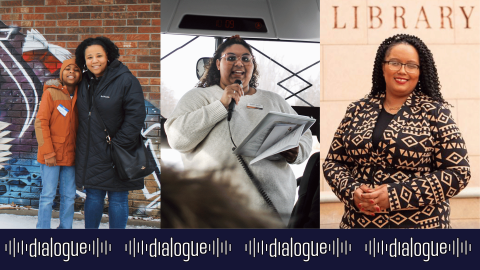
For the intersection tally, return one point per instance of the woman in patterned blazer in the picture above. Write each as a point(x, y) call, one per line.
point(398, 156)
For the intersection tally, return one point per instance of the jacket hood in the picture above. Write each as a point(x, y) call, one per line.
point(56, 84)
point(53, 83)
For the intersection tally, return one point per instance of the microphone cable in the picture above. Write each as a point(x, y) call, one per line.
point(252, 177)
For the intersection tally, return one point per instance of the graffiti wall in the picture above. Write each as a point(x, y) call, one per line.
point(34, 41)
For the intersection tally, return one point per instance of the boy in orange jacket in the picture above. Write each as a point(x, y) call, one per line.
point(56, 128)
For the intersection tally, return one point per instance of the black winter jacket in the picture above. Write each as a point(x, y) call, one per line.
point(118, 98)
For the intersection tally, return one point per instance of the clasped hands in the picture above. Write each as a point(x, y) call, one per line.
point(370, 201)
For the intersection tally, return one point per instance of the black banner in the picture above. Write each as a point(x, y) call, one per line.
point(238, 249)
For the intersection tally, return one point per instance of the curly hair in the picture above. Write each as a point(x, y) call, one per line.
point(428, 82)
point(108, 46)
point(213, 74)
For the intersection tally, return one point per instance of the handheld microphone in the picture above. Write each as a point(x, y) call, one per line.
point(231, 106)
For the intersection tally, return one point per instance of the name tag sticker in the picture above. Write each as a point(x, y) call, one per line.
point(62, 110)
point(254, 106)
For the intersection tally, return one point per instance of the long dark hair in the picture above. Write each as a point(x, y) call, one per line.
point(108, 46)
point(428, 82)
point(213, 74)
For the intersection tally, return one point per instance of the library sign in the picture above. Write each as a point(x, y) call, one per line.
point(370, 22)
point(398, 15)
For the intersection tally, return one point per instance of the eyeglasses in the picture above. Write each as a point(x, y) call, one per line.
point(232, 58)
point(396, 66)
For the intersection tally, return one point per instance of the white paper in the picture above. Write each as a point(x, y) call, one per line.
point(256, 142)
point(288, 142)
point(251, 144)
point(279, 131)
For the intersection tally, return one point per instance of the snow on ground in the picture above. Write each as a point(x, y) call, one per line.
point(10, 221)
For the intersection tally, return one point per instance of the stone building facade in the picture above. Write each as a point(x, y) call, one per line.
point(350, 33)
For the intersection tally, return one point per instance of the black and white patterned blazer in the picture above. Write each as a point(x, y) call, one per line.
point(421, 157)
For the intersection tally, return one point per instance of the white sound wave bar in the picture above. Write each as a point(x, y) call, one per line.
point(172, 248)
point(412, 248)
point(57, 249)
point(292, 248)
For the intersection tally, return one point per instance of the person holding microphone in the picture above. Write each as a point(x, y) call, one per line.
point(200, 130)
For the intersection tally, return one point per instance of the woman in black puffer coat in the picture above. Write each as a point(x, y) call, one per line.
point(108, 91)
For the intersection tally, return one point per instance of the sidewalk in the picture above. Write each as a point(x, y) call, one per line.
point(27, 219)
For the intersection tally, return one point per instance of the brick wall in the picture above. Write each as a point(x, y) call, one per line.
point(134, 26)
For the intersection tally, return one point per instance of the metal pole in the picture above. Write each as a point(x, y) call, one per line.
point(218, 42)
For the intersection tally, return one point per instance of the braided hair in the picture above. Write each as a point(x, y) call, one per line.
point(428, 82)
point(213, 74)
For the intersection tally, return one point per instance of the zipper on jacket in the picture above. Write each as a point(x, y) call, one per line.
point(88, 145)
